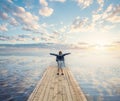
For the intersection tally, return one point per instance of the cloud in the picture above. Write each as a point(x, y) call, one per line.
point(114, 15)
point(13, 22)
point(111, 14)
point(117, 43)
point(39, 29)
point(24, 36)
point(25, 17)
point(19, 39)
point(114, 19)
point(43, 2)
point(114, 45)
point(63, 29)
point(36, 39)
point(10, 1)
point(51, 37)
point(12, 38)
point(33, 28)
point(29, 21)
point(46, 11)
point(15, 38)
point(107, 19)
point(101, 4)
point(84, 3)
point(3, 27)
point(106, 28)
point(79, 25)
point(19, 16)
point(44, 25)
point(100, 21)
point(3, 15)
point(62, 1)
point(29, 4)
point(4, 38)
point(81, 45)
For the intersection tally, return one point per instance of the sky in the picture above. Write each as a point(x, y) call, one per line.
point(75, 22)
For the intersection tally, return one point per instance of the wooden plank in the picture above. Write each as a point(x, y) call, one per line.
point(78, 91)
point(47, 89)
point(64, 96)
point(54, 87)
point(59, 91)
point(74, 97)
point(40, 92)
point(33, 94)
point(68, 91)
point(45, 85)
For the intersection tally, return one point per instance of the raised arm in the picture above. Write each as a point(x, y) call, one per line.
point(66, 54)
point(53, 54)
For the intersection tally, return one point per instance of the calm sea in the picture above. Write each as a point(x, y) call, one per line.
point(97, 72)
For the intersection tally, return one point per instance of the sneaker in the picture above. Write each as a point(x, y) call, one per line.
point(57, 73)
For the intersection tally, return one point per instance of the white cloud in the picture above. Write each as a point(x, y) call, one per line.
point(36, 39)
point(19, 16)
point(4, 15)
point(32, 27)
point(21, 37)
point(15, 38)
point(84, 3)
point(10, 1)
point(62, 1)
point(111, 14)
point(63, 29)
point(13, 22)
point(106, 20)
point(107, 27)
point(101, 4)
point(114, 15)
point(114, 19)
point(100, 21)
point(96, 17)
point(25, 17)
point(4, 38)
point(44, 25)
point(20, 10)
point(79, 25)
point(3, 27)
point(43, 2)
point(29, 4)
point(46, 11)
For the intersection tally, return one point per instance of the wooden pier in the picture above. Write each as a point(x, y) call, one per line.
point(54, 87)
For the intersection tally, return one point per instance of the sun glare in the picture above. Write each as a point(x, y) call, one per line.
point(101, 45)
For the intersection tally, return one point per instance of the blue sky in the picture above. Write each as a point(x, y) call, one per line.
point(60, 21)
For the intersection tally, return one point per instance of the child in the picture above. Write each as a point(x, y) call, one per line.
point(60, 61)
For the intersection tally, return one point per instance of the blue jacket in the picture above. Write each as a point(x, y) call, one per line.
point(59, 57)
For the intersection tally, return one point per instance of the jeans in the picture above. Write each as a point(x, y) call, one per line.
point(60, 64)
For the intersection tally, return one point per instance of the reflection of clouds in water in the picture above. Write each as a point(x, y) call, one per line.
point(4, 72)
point(98, 74)
point(19, 75)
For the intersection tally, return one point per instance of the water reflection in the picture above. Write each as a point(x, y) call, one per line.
point(19, 75)
point(98, 73)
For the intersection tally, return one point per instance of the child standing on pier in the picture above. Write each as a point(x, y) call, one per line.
point(60, 61)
